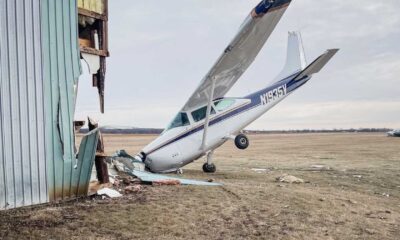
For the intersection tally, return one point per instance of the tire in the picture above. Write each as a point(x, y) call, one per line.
point(241, 141)
point(209, 168)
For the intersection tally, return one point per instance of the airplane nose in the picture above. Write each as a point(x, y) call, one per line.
point(148, 162)
point(143, 156)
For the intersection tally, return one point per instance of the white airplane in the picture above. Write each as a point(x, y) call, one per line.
point(209, 119)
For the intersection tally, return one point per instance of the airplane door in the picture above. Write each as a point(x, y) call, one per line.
point(176, 152)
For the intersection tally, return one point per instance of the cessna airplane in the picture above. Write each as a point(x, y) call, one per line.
point(209, 119)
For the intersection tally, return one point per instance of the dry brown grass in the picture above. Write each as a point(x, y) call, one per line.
point(357, 198)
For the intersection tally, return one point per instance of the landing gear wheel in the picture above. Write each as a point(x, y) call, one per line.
point(209, 168)
point(241, 141)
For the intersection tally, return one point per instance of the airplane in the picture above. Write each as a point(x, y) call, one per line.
point(394, 133)
point(209, 119)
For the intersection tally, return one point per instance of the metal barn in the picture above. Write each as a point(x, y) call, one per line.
point(39, 71)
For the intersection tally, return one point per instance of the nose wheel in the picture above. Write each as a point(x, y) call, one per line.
point(209, 167)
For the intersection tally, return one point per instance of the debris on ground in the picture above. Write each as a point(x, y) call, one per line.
point(319, 167)
point(352, 201)
point(260, 170)
point(111, 193)
point(122, 160)
point(127, 180)
point(127, 164)
point(152, 177)
point(133, 189)
point(370, 231)
point(112, 171)
point(127, 174)
point(166, 182)
point(289, 179)
point(119, 166)
point(383, 194)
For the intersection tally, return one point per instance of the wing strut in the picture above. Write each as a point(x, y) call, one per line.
point(207, 120)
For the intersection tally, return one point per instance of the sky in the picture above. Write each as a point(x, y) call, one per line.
point(160, 51)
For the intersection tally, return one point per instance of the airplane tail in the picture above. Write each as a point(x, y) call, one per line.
point(295, 59)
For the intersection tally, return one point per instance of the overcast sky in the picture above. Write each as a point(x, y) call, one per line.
point(160, 50)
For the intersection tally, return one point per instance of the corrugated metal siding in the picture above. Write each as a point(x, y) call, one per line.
point(22, 138)
point(61, 72)
point(81, 175)
point(97, 6)
point(39, 67)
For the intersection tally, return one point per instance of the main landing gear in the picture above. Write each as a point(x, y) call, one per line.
point(241, 141)
point(209, 167)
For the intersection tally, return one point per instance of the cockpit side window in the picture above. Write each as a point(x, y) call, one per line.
point(223, 104)
point(180, 120)
point(201, 113)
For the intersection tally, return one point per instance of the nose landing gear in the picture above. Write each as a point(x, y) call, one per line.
point(209, 167)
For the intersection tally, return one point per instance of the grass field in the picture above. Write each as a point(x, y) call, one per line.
point(354, 195)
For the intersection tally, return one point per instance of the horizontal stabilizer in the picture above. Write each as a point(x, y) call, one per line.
point(317, 65)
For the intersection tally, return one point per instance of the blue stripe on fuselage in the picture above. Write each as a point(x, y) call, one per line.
point(291, 85)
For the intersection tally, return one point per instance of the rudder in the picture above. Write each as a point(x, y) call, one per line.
point(295, 59)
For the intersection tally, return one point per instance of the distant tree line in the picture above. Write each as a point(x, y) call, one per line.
point(350, 130)
point(127, 130)
point(159, 130)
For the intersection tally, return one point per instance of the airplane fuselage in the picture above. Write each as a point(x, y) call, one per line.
point(180, 146)
point(204, 124)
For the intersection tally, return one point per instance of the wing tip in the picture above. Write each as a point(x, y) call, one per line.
point(266, 6)
point(333, 50)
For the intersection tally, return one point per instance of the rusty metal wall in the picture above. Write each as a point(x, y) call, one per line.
point(23, 171)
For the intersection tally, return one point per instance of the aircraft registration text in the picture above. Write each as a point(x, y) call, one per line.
point(273, 95)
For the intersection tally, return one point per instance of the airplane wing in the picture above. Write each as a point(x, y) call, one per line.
point(240, 53)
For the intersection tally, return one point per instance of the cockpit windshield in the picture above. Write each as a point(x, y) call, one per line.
point(201, 113)
point(180, 120)
point(221, 105)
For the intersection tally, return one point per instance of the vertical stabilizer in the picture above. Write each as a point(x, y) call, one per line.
point(295, 59)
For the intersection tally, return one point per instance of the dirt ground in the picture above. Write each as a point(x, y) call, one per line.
point(353, 194)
